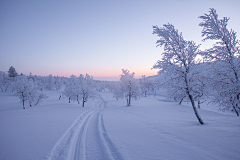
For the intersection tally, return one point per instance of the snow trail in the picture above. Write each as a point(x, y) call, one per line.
point(62, 147)
point(109, 145)
point(87, 138)
point(79, 147)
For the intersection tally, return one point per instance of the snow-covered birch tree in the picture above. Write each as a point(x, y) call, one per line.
point(80, 88)
point(27, 91)
point(49, 82)
point(117, 91)
point(71, 89)
point(4, 81)
point(39, 81)
point(178, 65)
point(57, 82)
point(146, 85)
point(87, 88)
point(224, 58)
point(130, 86)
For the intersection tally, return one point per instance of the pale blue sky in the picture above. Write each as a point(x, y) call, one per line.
point(97, 37)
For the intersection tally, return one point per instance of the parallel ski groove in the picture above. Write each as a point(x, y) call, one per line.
point(80, 146)
point(61, 148)
point(113, 153)
point(72, 145)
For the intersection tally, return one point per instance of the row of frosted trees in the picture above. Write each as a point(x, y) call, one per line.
point(85, 87)
point(49, 83)
point(29, 88)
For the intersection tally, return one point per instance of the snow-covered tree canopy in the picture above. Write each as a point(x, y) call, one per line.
point(146, 85)
point(27, 91)
point(129, 86)
point(80, 88)
point(224, 58)
point(53, 83)
point(177, 51)
point(227, 45)
point(4, 81)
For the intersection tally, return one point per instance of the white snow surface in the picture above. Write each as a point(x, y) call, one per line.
point(150, 129)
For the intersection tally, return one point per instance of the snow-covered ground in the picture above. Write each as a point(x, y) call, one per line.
point(105, 128)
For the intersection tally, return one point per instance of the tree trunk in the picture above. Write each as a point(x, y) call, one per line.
point(129, 101)
point(195, 109)
point(23, 100)
point(83, 102)
point(234, 105)
point(235, 110)
point(69, 100)
point(23, 104)
point(199, 104)
point(78, 99)
point(237, 104)
point(181, 100)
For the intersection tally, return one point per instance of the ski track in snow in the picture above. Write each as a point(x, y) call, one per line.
point(72, 145)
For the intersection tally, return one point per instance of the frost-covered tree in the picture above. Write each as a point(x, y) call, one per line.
point(4, 81)
point(110, 85)
point(12, 72)
point(100, 85)
point(50, 82)
point(71, 89)
point(26, 91)
point(35, 97)
point(30, 76)
point(117, 91)
point(178, 65)
point(87, 88)
point(58, 82)
point(130, 86)
point(224, 58)
point(80, 88)
point(155, 85)
point(146, 85)
point(39, 81)
point(22, 87)
point(53, 82)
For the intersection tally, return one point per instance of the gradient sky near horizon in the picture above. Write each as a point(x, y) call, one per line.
point(98, 37)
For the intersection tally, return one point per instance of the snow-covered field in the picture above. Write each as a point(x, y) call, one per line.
point(105, 128)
